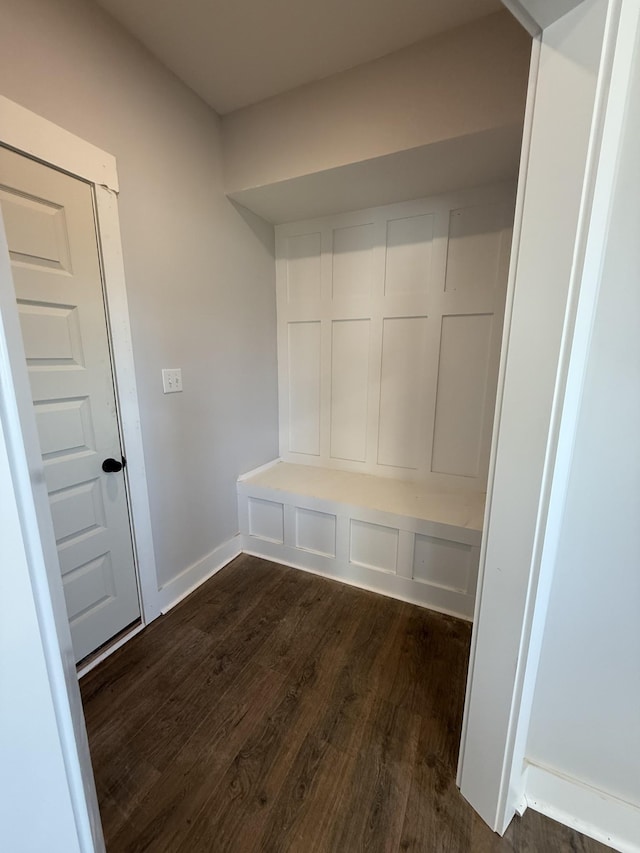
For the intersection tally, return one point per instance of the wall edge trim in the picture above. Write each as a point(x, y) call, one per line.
point(584, 808)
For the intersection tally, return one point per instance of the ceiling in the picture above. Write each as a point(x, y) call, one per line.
point(238, 52)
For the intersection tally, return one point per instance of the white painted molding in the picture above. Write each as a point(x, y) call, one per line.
point(196, 574)
point(511, 725)
point(506, 333)
point(259, 470)
point(31, 134)
point(622, 26)
point(536, 15)
point(595, 813)
point(310, 563)
point(86, 669)
point(117, 310)
point(523, 16)
point(387, 353)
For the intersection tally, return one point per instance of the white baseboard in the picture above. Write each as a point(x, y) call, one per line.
point(391, 586)
point(191, 578)
point(93, 663)
point(594, 813)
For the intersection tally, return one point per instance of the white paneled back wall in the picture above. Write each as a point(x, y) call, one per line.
point(389, 331)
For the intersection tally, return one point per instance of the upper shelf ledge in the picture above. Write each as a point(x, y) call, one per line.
point(480, 158)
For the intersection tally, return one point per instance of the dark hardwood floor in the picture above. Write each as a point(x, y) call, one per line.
point(276, 711)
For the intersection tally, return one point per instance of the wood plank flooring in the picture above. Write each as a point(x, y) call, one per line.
point(273, 710)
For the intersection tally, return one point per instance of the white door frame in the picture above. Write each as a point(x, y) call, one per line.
point(30, 134)
point(515, 653)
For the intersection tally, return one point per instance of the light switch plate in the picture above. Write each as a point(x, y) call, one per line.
point(171, 380)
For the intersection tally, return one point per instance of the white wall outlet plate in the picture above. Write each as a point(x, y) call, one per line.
point(171, 380)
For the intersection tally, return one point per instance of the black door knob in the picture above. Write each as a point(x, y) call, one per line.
point(112, 466)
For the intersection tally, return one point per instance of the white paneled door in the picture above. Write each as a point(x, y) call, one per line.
point(51, 231)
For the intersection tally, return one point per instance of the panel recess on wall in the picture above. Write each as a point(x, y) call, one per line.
point(465, 348)
point(401, 427)
point(353, 260)
point(315, 531)
point(304, 387)
point(373, 545)
point(349, 389)
point(266, 520)
point(408, 254)
point(473, 254)
point(442, 563)
point(303, 268)
point(372, 387)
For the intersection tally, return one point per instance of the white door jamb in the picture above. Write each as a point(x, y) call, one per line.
point(524, 646)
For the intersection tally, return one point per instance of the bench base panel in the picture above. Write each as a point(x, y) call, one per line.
point(422, 562)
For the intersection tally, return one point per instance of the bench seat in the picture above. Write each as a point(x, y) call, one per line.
point(395, 537)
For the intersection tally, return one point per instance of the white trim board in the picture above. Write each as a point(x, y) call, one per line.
point(31, 134)
point(313, 564)
point(536, 15)
point(389, 330)
point(117, 312)
point(512, 607)
point(196, 574)
point(176, 589)
point(621, 31)
point(595, 813)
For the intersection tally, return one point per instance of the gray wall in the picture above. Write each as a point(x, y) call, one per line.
point(585, 721)
point(464, 81)
point(200, 273)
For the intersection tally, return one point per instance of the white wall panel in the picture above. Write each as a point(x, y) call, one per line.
point(408, 254)
point(389, 326)
point(373, 546)
point(303, 267)
point(401, 432)
point(442, 563)
point(315, 531)
point(353, 260)
point(304, 387)
point(473, 256)
point(463, 377)
point(349, 388)
point(266, 520)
